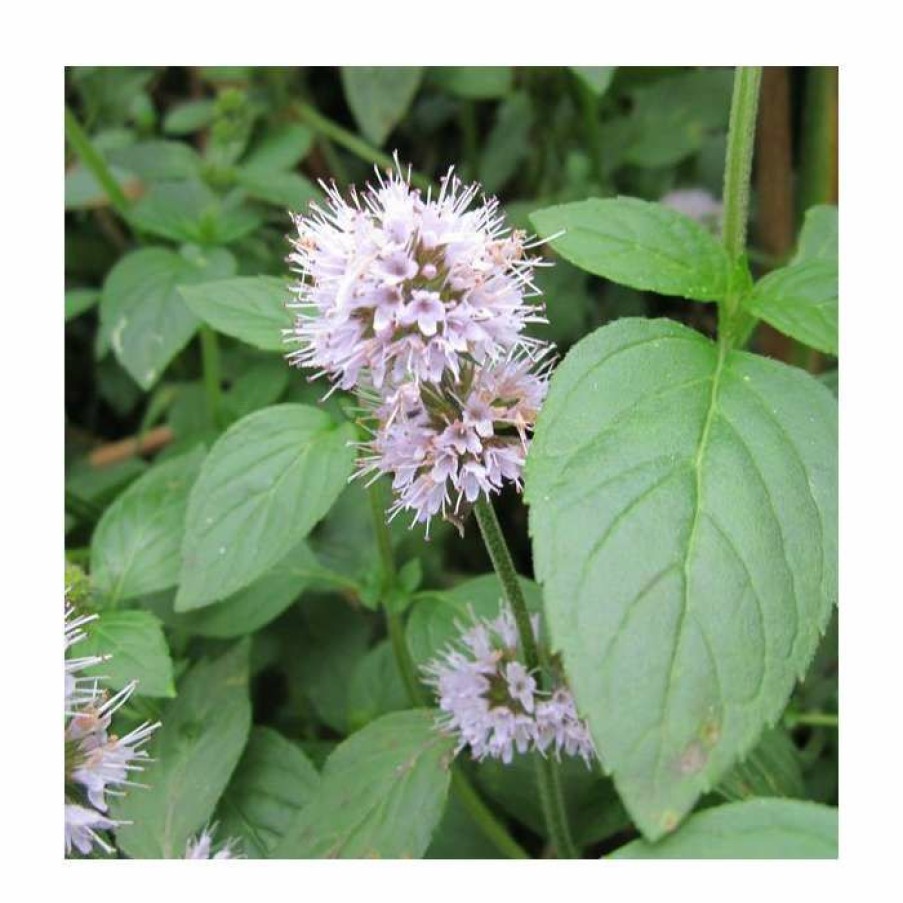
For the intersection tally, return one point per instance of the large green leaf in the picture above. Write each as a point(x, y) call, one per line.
point(273, 782)
point(379, 96)
point(142, 313)
point(800, 301)
point(753, 829)
point(135, 546)
point(684, 522)
point(137, 648)
point(264, 485)
point(381, 796)
point(194, 754)
point(250, 308)
point(640, 244)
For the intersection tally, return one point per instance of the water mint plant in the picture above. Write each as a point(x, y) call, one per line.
point(451, 463)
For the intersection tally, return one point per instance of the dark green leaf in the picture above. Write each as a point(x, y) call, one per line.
point(142, 312)
point(194, 754)
point(155, 161)
point(381, 796)
point(260, 385)
point(753, 829)
point(264, 485)
point(273, 782)
point(135, 547)
point(137, 648)
point(684, 523)
point(508, 142)
point(800, 301)
point(376, 687)
point(474, 82)
point(78, 300)
point(771, 769)
point(643, 245)
point(250, 308)
point(379, 96)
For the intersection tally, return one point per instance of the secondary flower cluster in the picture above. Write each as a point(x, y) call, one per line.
point(98, 763)
point(201, 847)
point(420, 305)
point(492, 703)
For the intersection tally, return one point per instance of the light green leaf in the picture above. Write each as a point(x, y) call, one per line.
point(263, 487)
point(83, 192)
point(290, 190)
point(188, 117)
point(155, 161)
point(142, 313)
point(508, 142)
point(474, 82)
point(78, 300)
point(772, 769)
point(273, 782)
point(258, 604)
point(640, 244)
point(249, 308)
point(818, 237)
point(596, 78)
point(434, 619)
point(137, 648)
point(800, 301)
point(381, 796)
point(753, 829)
point(188, 211)
point(136, 544)
point(282, 148)
point(684, 524)
point(376, 687)
point(194, 754)
point(379, 96)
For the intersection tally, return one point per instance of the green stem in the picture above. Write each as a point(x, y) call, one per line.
point(210, 365)
point(493, 829)
point(738, 164)
point(352, 142)
point(734, 326)
point(547, 777)
point(813, 719)
point(96, 164)
point(593, 132)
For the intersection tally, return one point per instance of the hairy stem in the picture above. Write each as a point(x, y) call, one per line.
point(547, 777)
point(491, 827)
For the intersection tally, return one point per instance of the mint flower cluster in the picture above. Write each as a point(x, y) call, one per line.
point(98, 763)
point(492, 703)
point(419, 304)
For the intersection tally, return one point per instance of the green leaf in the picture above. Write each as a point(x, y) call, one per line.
point(273, 782)
point(260, 385)
point(434, 619)
point(249, 308)
point(672, 117)
point(155, 161)
point(772, 769)
point(640, 244)
point(284, 189)
point(800, 301)
point(194, 754)
point(376, 687)
point(754, 829)
point(381, 796)
point(379, 96)
point(282, 148)
point(264, 485)
point(188, 211)
point(258, 604)
point(684, 523)
point(135, 546)
point(137, 648)
point(189, 117)
point(79, 300)
point(508, 143)
point(84, 192)
point(818, 237)
point(474, 82)
point(142, 312)
point(596, 78)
